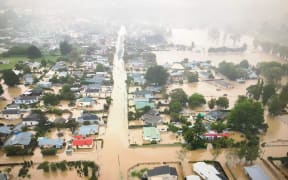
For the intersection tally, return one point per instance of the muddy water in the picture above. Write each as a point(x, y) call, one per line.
point(203, 42)
point(10, 93)
point(209, 90)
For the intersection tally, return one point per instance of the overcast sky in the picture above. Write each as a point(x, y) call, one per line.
point(195, 11)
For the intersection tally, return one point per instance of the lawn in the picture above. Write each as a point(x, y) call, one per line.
point(14, 59)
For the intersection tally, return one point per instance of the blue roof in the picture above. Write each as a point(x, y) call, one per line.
point(88, 129)
point(5, 130)
point(142, 104)
point(86, 99)
point(22, 138)
point(43, 141)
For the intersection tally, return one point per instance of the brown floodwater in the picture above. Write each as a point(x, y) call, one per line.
point(10, 93)
point(202, 42)
point(116, 157)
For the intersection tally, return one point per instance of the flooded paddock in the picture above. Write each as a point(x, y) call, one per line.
point(210, 90)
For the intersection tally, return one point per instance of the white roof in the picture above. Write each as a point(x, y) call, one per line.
point(256, 173)
point(206, 171)
point(192, 177)
point(177, 66)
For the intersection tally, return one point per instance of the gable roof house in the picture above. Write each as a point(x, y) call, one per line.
point(142, 102)
point(88, 130)
point(86, 116)
point(80, 142)
point(93, 90)
point(151, 118)
point(144, 94)
point(31, 120)
point(28, 79)
point(11, 114)
point(26, 100)
point(21, 139)
point(162, 173)
point(151, 134)
point(85, 102)
point(44, 142)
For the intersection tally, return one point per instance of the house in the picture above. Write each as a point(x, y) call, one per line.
point(87, 130)
point(207, 171)
point(27, 100)
point(144, 94)
point(60, 65)
point(86, 116)
point(216, 115)
point(44, 142)
point(22, 139)
point(177, 67)
point(80, 142)
point(93, 90)
point(211, 135)
point(162, 173)
point(151, 134)
point(142, 102)
point(5, 130)
point(255, 172)
point(151, 118)
point(28, 79)
point(138, 78)
point(34, 65)
point(44, 84)
point(85, 102)
point(31, 120)
point(176, 76)
point(11, 114)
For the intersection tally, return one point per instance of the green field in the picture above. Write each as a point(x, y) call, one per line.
point(14, 60)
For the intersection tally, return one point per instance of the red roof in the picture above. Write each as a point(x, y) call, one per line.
point(82, 142)
point(216, 134)
point(78, 137)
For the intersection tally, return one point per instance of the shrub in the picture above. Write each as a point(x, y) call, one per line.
point(49, 152)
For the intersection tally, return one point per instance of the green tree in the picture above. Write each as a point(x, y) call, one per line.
point(255, 91)
point(218, 126)
point(244, 64)
point(65, 48)
point(34, 52)
point(1, 90)
point(212, 103)
point(222, 102)
point(175, 106)
point(249, 149)
point(66, 93)
point(196, 100)
point(191, 76)
point(193, 136)
point(247, 116)
point(275, 106)
point(51, 99)
point(269, 90)
point(10, 78)
point(272, 71)
point(100, 68)
point(179, 95)
point(43, 63)
point(284, 95)
point(156, 75)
